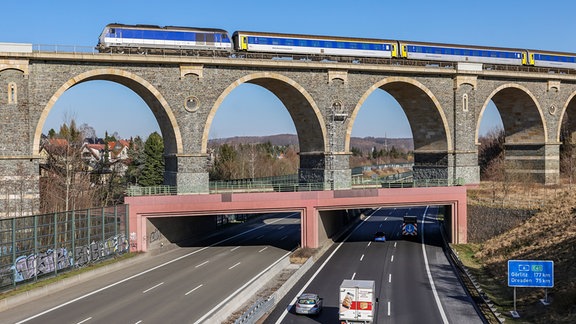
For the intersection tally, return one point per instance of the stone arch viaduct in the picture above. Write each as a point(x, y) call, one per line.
point(443, 104)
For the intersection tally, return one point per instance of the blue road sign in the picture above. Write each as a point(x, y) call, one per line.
point(530, 273)
point(410, 228)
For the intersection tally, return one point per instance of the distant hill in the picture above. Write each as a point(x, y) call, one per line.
point(365, 144)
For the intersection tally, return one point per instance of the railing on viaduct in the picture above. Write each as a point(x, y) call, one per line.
point(291, 184)
point(51, 48)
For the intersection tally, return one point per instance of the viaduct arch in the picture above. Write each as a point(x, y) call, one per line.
point(301, 106)
point(151, 96)
point(443, 104)
point(429, 124)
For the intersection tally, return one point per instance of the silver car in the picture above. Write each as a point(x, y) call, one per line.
point(308, 303)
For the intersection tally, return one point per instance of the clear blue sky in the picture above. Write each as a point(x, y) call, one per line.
point(518, 24)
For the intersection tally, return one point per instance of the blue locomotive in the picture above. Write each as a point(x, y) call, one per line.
point(155, 39)
point(146, 39)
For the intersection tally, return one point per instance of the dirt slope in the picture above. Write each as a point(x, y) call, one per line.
point(549, 235)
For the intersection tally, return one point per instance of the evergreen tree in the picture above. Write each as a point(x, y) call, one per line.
point(356, 151)
point(109, 138)
point(153, 171)
point(136, 161)
point(224, 163)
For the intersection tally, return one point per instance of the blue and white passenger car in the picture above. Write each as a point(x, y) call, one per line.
point(117, 37)
point(461, 53)
point(552, 59)
point(312, 45)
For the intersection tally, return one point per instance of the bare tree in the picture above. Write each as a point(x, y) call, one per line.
point(66, 181)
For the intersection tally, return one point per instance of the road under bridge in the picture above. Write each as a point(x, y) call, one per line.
point(323, 213)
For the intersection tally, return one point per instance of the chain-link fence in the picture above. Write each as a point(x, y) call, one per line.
point(42, 245)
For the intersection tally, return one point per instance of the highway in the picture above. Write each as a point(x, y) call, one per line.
point(414, 281)
point(185, 285)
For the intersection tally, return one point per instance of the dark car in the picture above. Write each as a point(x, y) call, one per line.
point(380, 237)
point(309, 304)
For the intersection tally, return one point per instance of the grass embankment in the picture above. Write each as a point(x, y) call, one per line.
point(548, 235)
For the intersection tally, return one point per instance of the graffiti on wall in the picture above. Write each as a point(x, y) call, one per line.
point(155, 236)
point(133, 243)
point(28, 266)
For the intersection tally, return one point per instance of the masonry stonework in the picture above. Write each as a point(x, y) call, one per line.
point(444, 107)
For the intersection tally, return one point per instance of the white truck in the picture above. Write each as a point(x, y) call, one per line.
point(357, 301)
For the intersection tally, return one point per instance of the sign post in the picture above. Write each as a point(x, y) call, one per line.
point(530, 273)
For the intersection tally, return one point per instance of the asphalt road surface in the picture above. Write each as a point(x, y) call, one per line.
point(414, 281)
point(185, 285)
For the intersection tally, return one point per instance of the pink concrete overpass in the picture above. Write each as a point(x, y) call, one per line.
point(309, 204)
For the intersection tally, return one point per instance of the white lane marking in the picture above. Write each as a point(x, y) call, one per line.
point(158, 285)
point(146, 271)
point(234, 249)
point(234, 266)
point(85, 320)
point(429, 273)
point(388, 308)
point(201, 264)
point(186, 294)
point(392, 258)
point(353, 275)
point(389, 277)
point(232, 295)
point(262, 249)
point(369, 243)
point(319, 269)
point(395, 244)
point(140, 321)
point(362, 257)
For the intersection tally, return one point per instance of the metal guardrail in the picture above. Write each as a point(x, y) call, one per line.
point(257, 185)
point(256, 311)
point(64, 49)
point(483, 305)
